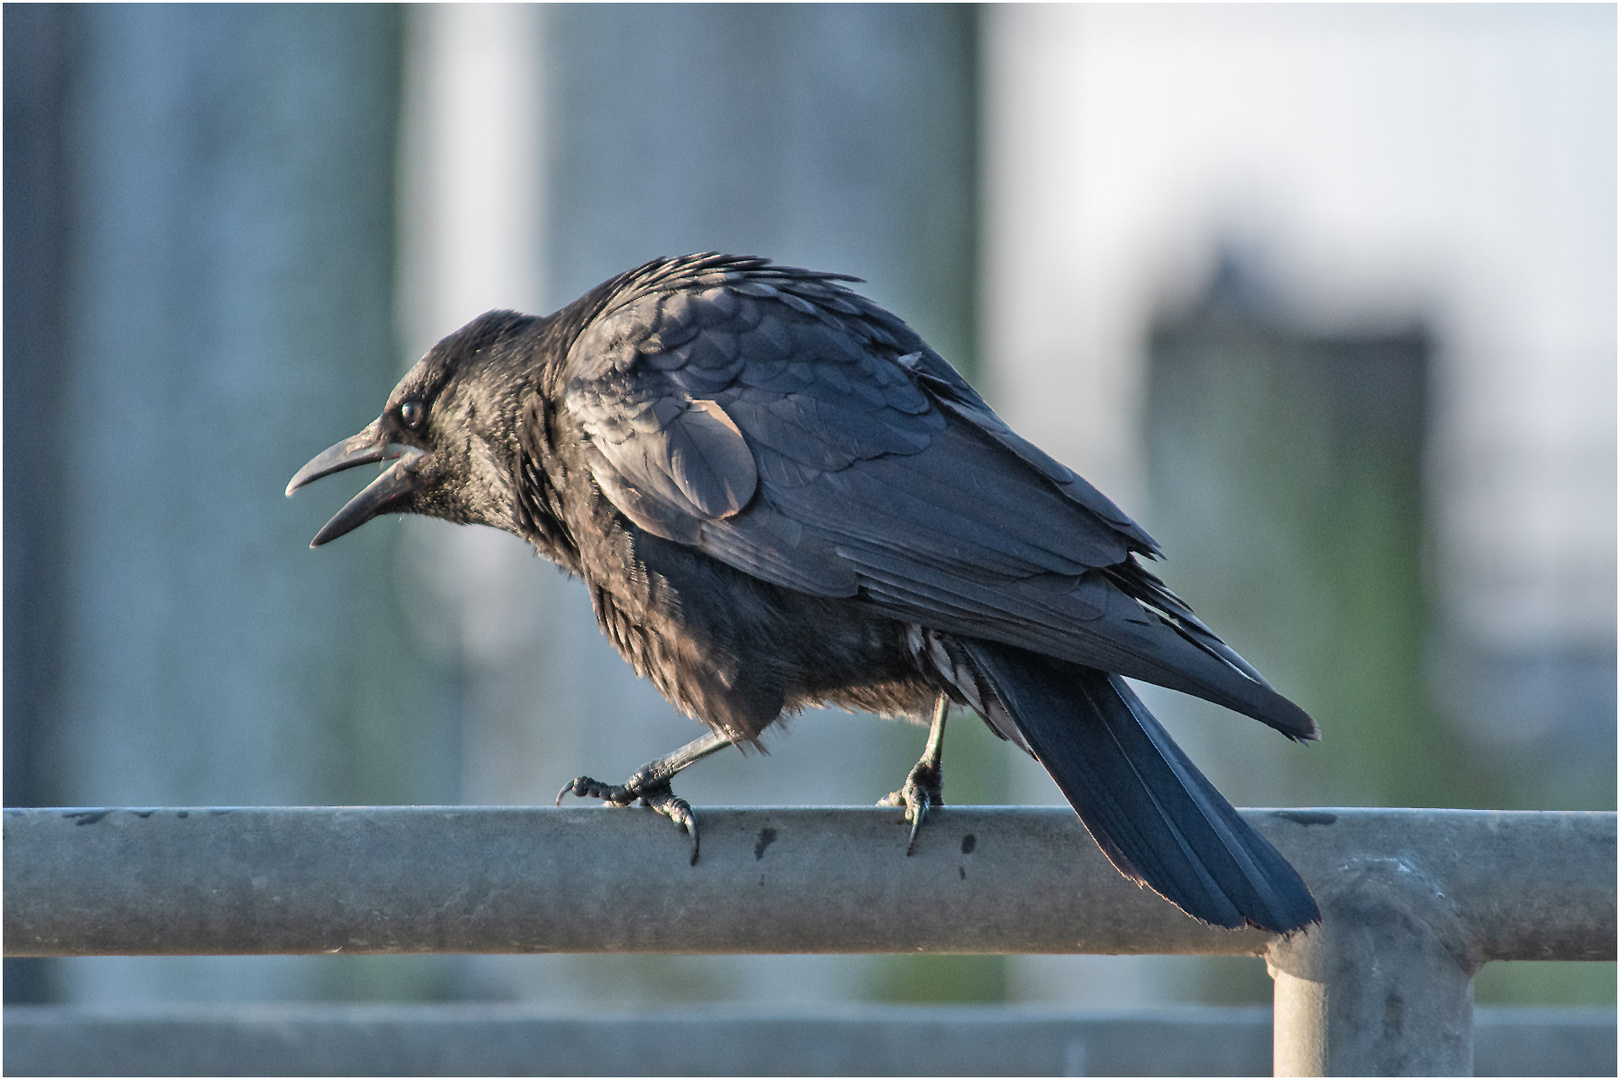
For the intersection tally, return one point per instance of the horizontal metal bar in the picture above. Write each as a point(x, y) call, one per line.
point(866, 1040)
point(494, 880)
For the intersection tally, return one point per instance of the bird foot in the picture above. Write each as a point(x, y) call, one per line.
point(922, 791)
point(652, 790)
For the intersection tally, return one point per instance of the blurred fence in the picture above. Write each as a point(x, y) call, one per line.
point(518, 1040)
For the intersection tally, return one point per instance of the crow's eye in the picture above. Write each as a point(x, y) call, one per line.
point(412, 412)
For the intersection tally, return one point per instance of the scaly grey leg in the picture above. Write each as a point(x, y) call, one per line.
point(650, 784)
point(924, 786)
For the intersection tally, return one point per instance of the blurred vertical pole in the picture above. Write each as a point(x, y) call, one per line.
point(470, 202)
point(228, 274)
point(36, 77)
point(836, 137)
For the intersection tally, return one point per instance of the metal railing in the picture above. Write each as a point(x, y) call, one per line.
point(1414, 901)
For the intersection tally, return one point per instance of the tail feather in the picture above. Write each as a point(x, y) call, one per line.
point(1155, 816)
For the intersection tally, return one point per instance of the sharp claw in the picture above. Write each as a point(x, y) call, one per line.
point(916, 813)
point(588, 788)
point(919, 795)
point(654, 794)
point(677, 810)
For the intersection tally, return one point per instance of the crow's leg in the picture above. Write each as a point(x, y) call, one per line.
point(924, 788)
point(650, 784)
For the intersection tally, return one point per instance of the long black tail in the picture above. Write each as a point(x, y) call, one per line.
point(1156, 817)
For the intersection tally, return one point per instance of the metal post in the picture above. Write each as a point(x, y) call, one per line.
point(1383, 987)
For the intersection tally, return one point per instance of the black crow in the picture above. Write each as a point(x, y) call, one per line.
point(778, 496)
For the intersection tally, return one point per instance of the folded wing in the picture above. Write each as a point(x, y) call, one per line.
point(788, 427)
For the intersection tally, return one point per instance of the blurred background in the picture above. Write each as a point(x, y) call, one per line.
point(1323, 296)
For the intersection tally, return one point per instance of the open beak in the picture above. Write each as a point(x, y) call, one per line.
point(397, 481)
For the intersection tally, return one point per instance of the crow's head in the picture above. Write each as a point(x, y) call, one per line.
point(449, 430)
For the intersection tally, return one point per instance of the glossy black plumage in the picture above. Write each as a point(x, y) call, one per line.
point(779, 495)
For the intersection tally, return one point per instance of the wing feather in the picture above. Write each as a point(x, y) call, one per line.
point(792, 429)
